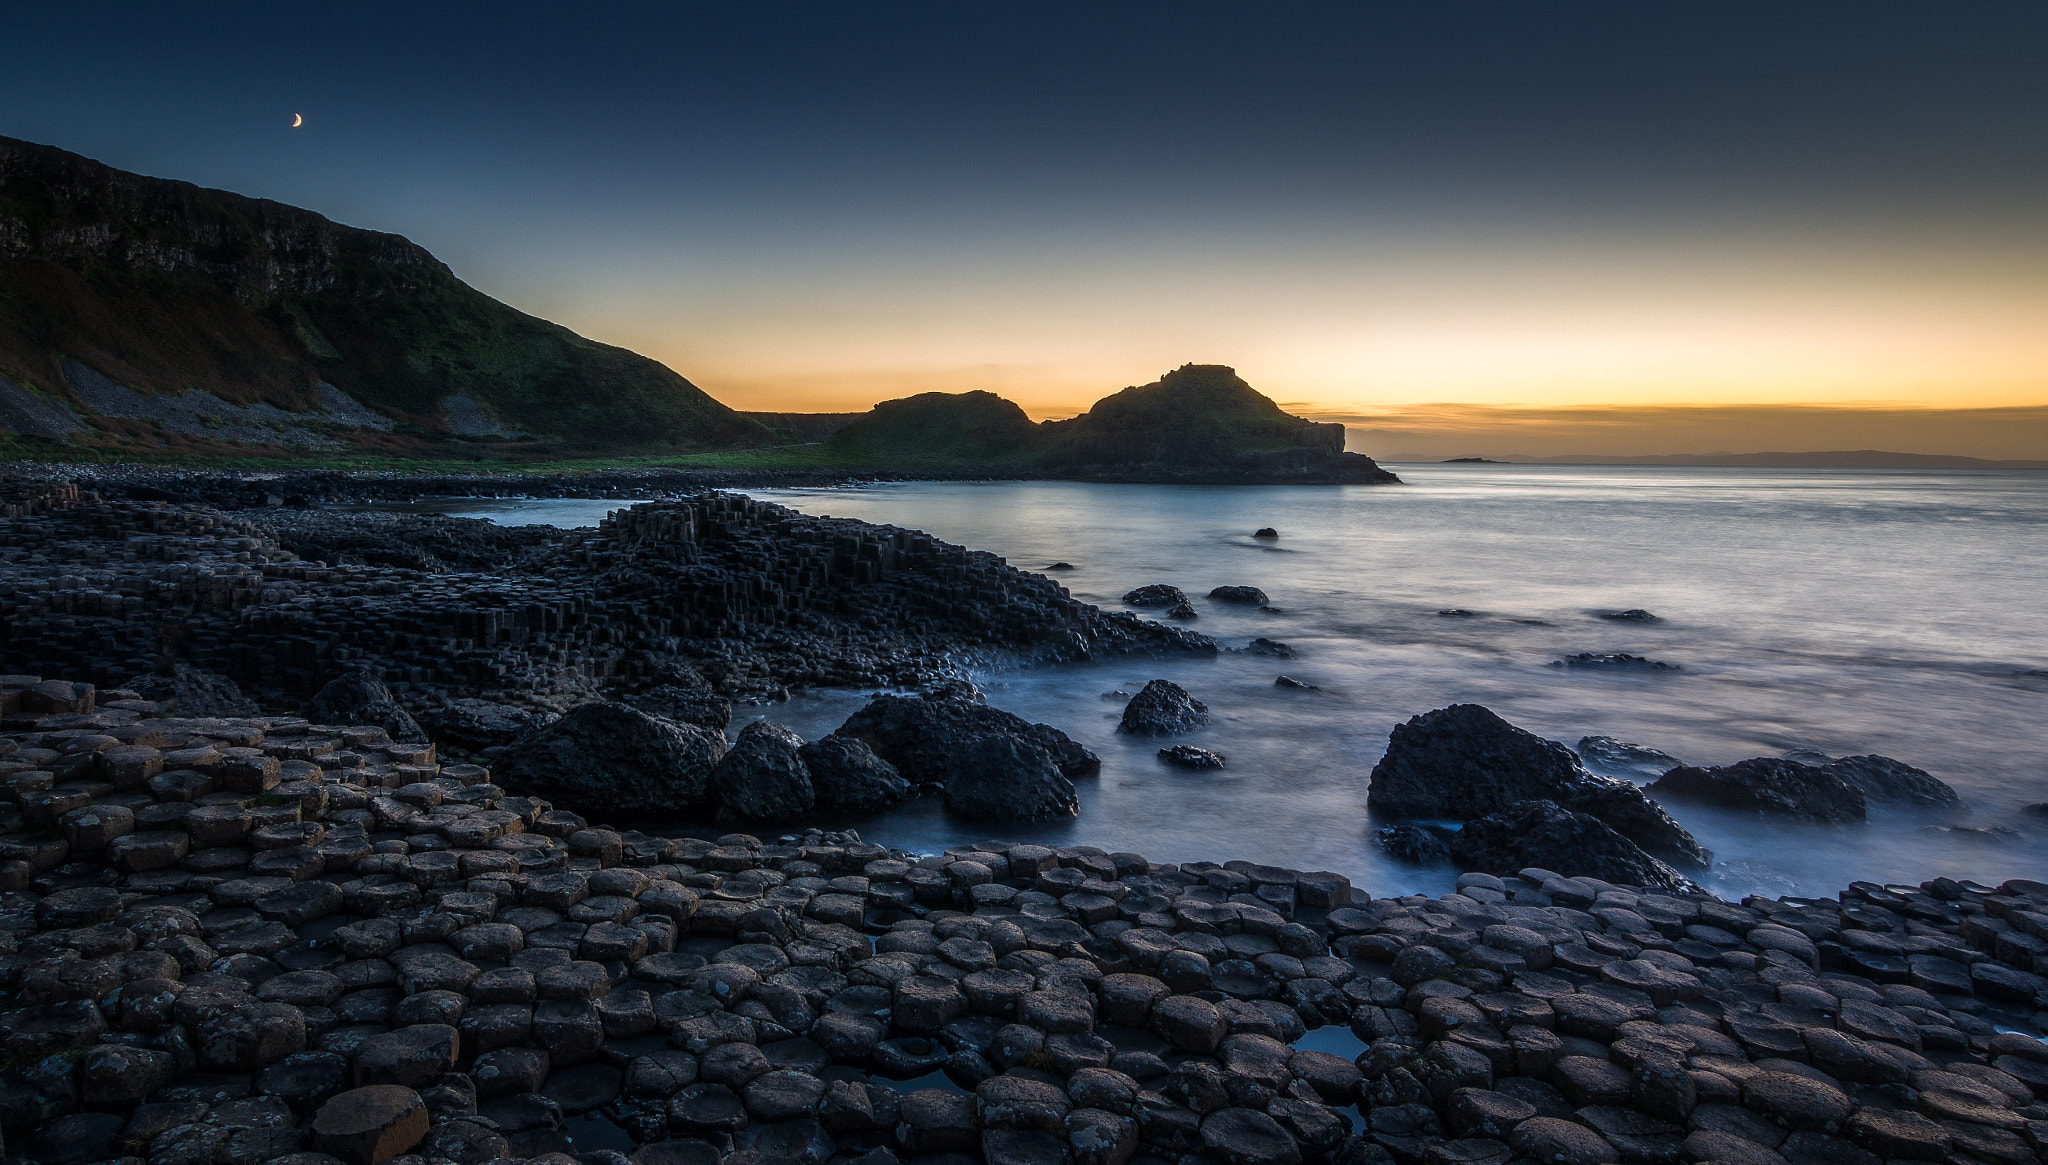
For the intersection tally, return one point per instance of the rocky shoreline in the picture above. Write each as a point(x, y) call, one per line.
point(710, 590)
point(254, 939)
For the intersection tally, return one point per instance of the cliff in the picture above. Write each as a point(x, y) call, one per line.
point(156, 314)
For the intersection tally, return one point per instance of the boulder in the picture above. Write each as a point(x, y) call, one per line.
point(475, 725)
point(1768, 785)
point(1249, 596)
point(615, 758)
point(1618, 758)
point(1463, 762)
point(847, 776)
point(1156, 595)
point(191, 691)
point(1265, 532)
point(1414, 843)
point(762, 775)
point(1001, 777)
point(1187, 756)
point(1883, 779)
point(700, 706)
point(1548, 836)
point(365, 1126)
point(925, 738)
point(361, 698)
point(1163, 708)
point(1632, 615)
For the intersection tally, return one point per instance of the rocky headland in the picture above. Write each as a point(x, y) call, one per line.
point(252, 939)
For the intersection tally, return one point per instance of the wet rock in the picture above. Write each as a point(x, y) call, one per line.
point(1163, 708)
point(413, 1056)
point(366, 1126)
point(1767, 785)
point(1632, 615)
point(762, 775)
point(191, 691)
point(1883, 779)
point(475, 725)
point(361, 698)
point(1187, 756)
point(925, 739)
point(1248, 596)
point(1265, 532)
point(1245, 1136)
point(1463, 762)
point(1005, 778)
point(1156, 595)
point(847, 776)
point(1545, 835)
point(1619, 661)
point(1616, 758)
point(1271, 648)
point(1419, 844)
point(614, 757)
point(1291, 682)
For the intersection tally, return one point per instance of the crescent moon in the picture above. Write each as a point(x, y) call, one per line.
point(298, 120)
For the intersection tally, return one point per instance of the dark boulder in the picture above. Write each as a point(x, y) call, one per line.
point(925, 738)
point(762, 775)
point(1298, 685)
point(613, 758)
point(191, 691)
point(361, 698)
point(1187, 756)
point(1269, 647)
point(1003, 777)
point(848, 777)
point(1156, 595)
point(1549, 836)
point(1883, 779)
point(1250, 596)
point(1463, 762)
point(1181, 610)
point(700, 706)
point(1414, 843)
point(1766, 784)
point(1632, 615)
point(1618, 758)
point(1265, 532)
point(1163, 708)
point(475, 725)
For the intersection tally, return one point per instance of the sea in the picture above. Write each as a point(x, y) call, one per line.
point(1896, 612)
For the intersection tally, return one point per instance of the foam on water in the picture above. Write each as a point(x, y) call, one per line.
point(1853, 611)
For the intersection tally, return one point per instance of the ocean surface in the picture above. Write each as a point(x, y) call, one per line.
point(1853, 611)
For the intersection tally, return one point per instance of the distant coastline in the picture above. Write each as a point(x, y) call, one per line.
point(1829, 459)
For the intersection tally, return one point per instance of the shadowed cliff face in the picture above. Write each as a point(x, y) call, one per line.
point(165, 287)
point(1200, 422)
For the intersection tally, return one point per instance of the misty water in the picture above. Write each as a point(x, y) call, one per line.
point(1852, 611)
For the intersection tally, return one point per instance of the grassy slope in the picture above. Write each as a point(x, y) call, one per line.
point(167, 287)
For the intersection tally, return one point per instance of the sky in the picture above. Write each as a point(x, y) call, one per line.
point(1409, 211)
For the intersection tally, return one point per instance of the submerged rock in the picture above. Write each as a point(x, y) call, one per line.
point(1616, 660)
point(762, 775)
point(1618, 758)
point(616, 758)
point(1156, 595)
point(1414, 843)
point(361, 698)
point(1188, 756)
point(1250, 596)
point(1298, 685)
point(926, 738)
point(1003, 777)
point(1265, 532)
point(1271, 647)
point(1883, 779)
point(847, 776)
point(1163, 708)
point(1463, 762)
point(1181, 610)
point(1769, 785)
point(1632, 615)
point(1546, 835)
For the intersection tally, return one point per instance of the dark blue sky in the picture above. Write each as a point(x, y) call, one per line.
point(818, 203)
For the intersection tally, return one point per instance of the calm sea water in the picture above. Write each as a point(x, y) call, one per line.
point(1847, 610)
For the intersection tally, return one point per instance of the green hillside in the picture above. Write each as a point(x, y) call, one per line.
point(164, 288)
